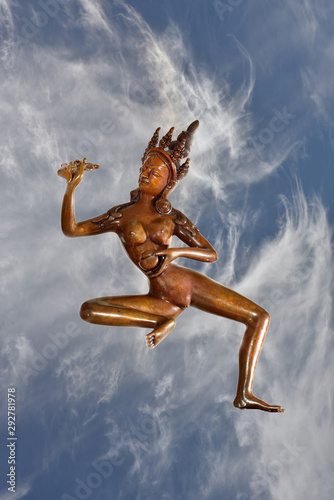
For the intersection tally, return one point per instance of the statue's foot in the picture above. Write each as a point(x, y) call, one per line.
point(159, 333)
point(253, 403)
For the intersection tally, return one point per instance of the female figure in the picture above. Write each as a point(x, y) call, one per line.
point(145, 227)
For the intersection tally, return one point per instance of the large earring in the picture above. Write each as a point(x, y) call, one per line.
point(163, 206)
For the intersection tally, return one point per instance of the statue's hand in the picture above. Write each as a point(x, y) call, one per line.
point(166, 257)
point(75, 172)
point(78, 175)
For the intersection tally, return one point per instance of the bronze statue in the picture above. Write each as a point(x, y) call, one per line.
point(145, 227)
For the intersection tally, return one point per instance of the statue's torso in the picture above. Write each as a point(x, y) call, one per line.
point(141, 231)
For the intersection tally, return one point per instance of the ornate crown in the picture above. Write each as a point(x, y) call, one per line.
point(173, 151)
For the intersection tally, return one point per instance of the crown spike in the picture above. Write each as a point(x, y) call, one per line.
point(183, 169)
point(166, 140)
point(178, 150)
point(153, 142)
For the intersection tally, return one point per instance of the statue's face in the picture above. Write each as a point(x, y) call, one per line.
point(153, 175)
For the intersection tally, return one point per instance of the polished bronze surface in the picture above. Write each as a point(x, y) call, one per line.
point(145, 227)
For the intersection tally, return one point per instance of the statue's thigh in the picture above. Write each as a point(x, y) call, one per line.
point(145, 303)
point(212, 297)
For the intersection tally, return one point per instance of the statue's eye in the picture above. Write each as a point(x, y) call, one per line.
point(155, 173)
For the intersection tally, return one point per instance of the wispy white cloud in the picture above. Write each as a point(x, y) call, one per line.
point(297, 268)
point(20, 492)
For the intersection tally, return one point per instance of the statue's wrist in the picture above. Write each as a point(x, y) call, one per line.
point(70, 188)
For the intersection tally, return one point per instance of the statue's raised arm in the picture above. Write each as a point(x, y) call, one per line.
point(73, 172)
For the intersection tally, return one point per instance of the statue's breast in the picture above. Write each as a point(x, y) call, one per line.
point(160, 231)
point(133, 233)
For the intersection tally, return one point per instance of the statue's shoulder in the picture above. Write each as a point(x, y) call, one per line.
point(184, 223)
point(112, 215)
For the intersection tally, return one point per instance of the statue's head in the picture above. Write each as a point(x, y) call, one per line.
point(161, 169)
point(156, 173)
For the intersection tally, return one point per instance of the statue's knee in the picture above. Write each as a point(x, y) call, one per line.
point(86, 312)
point(260, 315)
point(265, 316)
point(172, 323)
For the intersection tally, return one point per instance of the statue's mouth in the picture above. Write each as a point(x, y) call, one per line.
point(144, 180)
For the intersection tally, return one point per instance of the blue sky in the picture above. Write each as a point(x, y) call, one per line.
point(99, 415)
